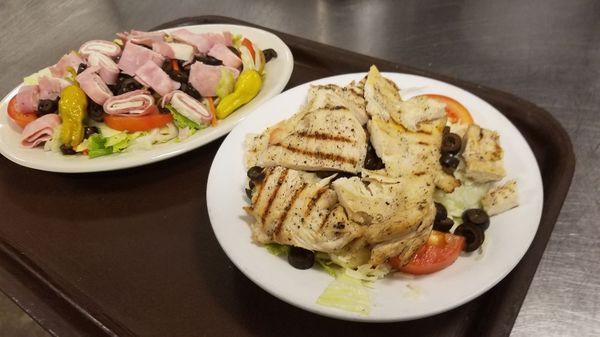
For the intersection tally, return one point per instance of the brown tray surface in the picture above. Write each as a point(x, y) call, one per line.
point(132, 252)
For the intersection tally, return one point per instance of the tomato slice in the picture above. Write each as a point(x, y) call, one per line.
point(250, 46)
point(138, 123)
point(21, 119)
point(457, 113)
point(440, 251)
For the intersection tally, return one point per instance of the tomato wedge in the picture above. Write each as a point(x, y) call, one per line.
point(138, 123)
point(457, 113)
point(250, 46)
point(21, 119)
point(440, 251)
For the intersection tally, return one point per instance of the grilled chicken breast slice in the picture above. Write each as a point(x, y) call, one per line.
point(406, 153)
point(297, 208)
point(327, 139)
point(395, 213)
point(322, 96)
point(381, 95)
point(416, 110)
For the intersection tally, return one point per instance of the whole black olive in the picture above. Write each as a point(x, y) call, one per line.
point(81, 68)
point(47, 106)
point(122, 77)
point(95, 111)
point(269, 54)
point(89, 130)
point(235, 51)
point(476, 216)
point(127, 85)
point(473, 234)
point(206, 59)
point(451, 143)
point(301, 258)
point(372, 161)
point(249, 193)
point(67, 150)
point(440, 212)
point(449, 163)
point(446, 130)
point(251, 184)
point(256, 173)
point(443, 225)
point(190, 90)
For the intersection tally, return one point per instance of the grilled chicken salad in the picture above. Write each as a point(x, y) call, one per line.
point(363, 183)
point(141, 89)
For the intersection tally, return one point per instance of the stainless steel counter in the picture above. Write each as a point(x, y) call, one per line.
point(545, 51)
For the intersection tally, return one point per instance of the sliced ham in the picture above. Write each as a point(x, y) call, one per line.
point(39, 131)
point(28, 98)
point(189, 107)
point(223, 53)
point(174, 50)
point(107, 48)
point(93, 86)
point(153, 76)
point(50, 87)
point(144, 38)
point(202, 42)
point(133, 103)
point(109, 71)
point(205, 78)
point(135, 56)
point(69, 60)
point(225, 38)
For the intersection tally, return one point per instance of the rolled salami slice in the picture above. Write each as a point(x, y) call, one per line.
point(107, 48)
point(133, 103)
point(188, 107)
point(93, 85)
point(109, 72)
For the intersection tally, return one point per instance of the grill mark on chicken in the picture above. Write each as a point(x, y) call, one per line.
point(324, 136)
point(274, 194)
point(262, 185)
point(422, 143)
point(284, 215)
point(313, 201)
point(319, 155)
point(325, 220)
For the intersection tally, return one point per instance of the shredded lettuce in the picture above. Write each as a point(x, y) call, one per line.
point(324, 261)
point(181, 121)
point(277, 249)
point(34, 78)
point(247, 60)
point(99, 145)
point(466, 196)
point(226, 83)
point(347, 293)
point(236, 40)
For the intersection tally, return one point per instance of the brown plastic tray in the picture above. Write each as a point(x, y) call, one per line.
point(132, 252)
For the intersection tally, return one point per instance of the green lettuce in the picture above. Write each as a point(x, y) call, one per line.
point(277, 249)
point(181, 121)
point(98, 145)
point(347, 293)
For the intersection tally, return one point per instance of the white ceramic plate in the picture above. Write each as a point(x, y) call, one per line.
point(277, 74)
point(398, 297)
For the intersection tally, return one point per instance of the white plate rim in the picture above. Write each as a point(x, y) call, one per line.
point(50, 162)
point(332, 313)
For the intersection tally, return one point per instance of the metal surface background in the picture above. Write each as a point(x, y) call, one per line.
point(547, 52)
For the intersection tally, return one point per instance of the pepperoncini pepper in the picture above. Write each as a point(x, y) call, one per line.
point(72, 108)
point(246, 88)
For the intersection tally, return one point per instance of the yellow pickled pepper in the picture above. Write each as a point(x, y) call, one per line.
point(246, 88)
point(72, 108)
